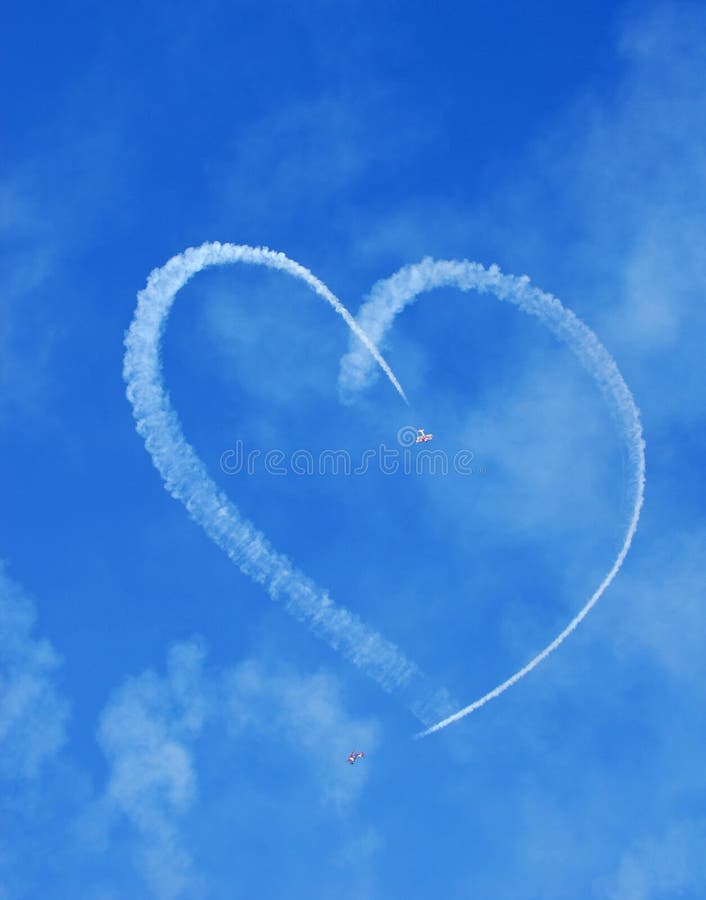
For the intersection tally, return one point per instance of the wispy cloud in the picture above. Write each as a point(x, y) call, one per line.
point(307, 714)
point(47, 219)
point(668, 865)
point(146, 733)
point(152, 732)
point(659, 612)
point(30, 252)
point(33, 713)
point(638, 182)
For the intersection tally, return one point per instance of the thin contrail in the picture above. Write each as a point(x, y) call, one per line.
point(187, 480)
point(390, 296)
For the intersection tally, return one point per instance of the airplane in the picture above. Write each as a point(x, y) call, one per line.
point(422, 437)
point(355, 754)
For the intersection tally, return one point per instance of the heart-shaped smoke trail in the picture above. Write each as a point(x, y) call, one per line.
point(187, 480)
point(390, 296)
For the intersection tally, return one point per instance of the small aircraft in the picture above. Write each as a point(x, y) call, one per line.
point(356, 754)
point(423, 437)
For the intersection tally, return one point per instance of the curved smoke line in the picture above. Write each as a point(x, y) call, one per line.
point(187, 480)
point(390, 296)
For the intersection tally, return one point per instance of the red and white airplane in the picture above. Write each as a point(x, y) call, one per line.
point(355, 755)
point(422, 437)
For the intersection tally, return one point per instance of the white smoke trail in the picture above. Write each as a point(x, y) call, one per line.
point(390, 296)
point(186, 478)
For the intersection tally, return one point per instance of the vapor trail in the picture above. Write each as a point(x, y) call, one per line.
point(187, 480)
point(390, 296)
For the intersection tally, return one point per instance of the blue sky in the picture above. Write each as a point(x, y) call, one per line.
point(166, 730)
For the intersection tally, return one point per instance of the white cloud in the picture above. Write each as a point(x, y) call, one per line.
point(33, 714)
point(624, 179)
point(152, 732)
point(48, 217)
point(306, 713)
point(658, 607)
point(642, 183)
point(146, 732)
point(25, 332)
point(312, 154)
point(663, 866)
